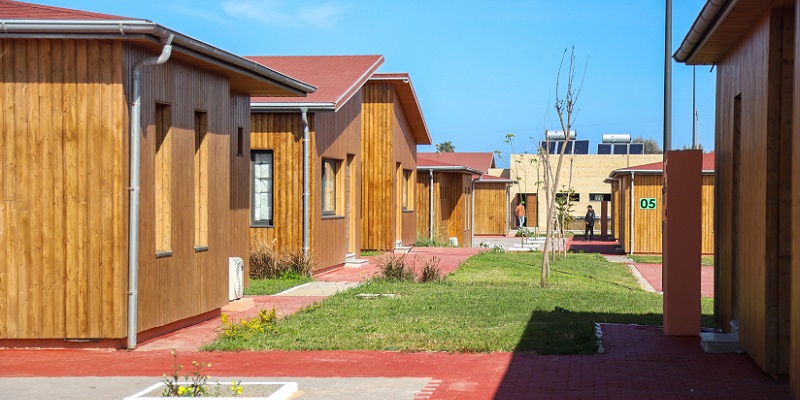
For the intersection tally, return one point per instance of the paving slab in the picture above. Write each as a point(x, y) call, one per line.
point(318, 288)
point(96, 388)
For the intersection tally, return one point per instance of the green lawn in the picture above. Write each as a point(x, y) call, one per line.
point(655, 259)
point(492, 303)
point(263, 287)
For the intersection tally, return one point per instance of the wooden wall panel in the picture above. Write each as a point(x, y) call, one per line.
point(405, 153)
point(334, 135)
point(191, 281)
point(422, 202)
point(647, 230)
point(378, 195)
point(794, 351)
point(62, 135)
point(748, 198)
point(283, 134)
point(491, 208)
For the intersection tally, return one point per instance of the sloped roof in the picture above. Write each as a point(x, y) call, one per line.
point(477, 161)
point(657, 168)
point(719, 26)
point(22, 20)
point(409, 102)
point(337, 78)
point(29, 11)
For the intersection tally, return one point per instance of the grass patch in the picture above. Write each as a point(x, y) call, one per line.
point(370, 253)
point(493, 302)
point(706, 261)
point(425, 241)
point(267, 287)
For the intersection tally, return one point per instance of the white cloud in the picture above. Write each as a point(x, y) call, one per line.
point(277, 13)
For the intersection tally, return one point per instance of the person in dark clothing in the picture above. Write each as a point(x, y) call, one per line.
point(589, 218)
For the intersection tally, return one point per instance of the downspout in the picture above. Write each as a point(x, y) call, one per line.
point(306, 194)
point(472, 217)
point(431, 206)
point(135, 165)
point(631, 218)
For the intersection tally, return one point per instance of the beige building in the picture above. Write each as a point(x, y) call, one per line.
point(587, 174)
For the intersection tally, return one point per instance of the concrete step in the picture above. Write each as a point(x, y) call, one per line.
point(356, 263)
point(713, 342)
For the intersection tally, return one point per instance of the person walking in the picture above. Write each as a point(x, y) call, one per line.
point(589, 218)
point(520, 212)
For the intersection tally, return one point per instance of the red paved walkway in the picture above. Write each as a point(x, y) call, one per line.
point(652, 272)
point(639, 363)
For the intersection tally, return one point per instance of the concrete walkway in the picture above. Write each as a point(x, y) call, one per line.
point(639, 362)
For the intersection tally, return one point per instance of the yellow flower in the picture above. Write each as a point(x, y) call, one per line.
point(181, 390)
point(239, 390)
point(209, 365)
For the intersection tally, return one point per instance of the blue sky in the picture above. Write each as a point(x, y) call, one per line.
point(481, 69)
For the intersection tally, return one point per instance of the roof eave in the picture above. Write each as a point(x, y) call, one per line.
point(121, 28)
point(291, 106)
point(449, 168)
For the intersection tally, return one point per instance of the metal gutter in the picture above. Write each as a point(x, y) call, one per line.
point(291, 106)
point(453, 168)
point(124, 27)
point(701, 28)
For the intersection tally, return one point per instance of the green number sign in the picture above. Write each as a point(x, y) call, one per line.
point(647, 203)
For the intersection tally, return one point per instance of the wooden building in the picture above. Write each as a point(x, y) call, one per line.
point(333, 122)
point(490, 196)
point(392, 127)
point(636, 206)
point(753, 44)
point(444, 203)
point(72, 150)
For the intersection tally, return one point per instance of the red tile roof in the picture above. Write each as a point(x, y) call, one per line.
point(18, 10)
point(479, 161)
point(337, 78)
point(658, 167)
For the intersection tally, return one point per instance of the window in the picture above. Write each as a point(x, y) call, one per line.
point(408, 190)
point(575, 197)
point(200, 180)
point(262, 187)
point(331, 186)
point(163, 179)
point(240, 142)
point(599, 196)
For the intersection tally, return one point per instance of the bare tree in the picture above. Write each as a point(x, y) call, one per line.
point(565, 108)
point(650, 145)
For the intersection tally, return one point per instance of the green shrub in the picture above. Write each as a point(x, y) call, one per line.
point(298, 264)
point(523, 232)
point(395, 268)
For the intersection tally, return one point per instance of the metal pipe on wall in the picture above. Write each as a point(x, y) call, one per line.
point(430, 203)
point(135, 166)
point(631, 218)
point(306, 194)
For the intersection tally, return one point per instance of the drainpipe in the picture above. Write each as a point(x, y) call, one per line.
point(472, 217)
point(133, 212)
point(431, 206)
point(306, 194)
point(631, 218)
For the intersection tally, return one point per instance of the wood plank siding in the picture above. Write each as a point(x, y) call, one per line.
point(64, 179)
point(334, 136)
point(753, 178)
point(647, 236)
point(387, 146)
point(452, 202)
point(491, 208)
point(188, 278)
point(794, 330)
point(62, 260)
